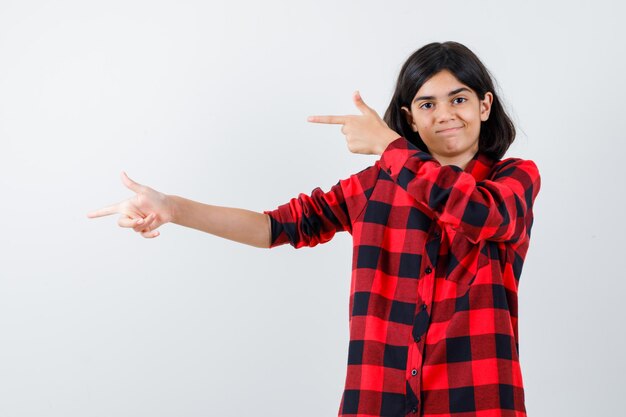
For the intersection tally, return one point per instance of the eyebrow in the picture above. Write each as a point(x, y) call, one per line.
point(451, 93)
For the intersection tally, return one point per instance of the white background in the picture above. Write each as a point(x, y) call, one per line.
point(209, 100)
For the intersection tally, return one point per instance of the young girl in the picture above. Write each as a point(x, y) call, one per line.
point(440, 226)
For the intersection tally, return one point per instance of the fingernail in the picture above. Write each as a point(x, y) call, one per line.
point(139, 221)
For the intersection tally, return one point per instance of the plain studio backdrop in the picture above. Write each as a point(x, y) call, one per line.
point(209, 100)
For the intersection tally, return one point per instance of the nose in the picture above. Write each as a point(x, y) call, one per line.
point(444, 113)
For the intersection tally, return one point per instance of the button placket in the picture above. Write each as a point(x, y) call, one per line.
point(420, 324)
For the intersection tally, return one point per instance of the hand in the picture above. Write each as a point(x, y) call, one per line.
point(145, 212)
point(366, 134)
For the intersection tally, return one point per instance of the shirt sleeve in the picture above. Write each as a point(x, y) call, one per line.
point(307, 220)
point(310, 219)
point(498, 209)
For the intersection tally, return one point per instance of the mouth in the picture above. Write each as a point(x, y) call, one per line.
point(452, 129)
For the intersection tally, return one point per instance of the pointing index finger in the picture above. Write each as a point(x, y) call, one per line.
point(103, 211)
point(333, 120)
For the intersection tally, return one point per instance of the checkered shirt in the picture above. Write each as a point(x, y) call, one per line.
point(437, 257)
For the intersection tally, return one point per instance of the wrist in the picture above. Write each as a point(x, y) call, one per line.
point(387, 138)
point(173, 208)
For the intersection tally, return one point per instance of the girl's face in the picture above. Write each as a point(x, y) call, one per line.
point(447, 115)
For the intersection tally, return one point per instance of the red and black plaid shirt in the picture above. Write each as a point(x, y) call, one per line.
point(438, 253)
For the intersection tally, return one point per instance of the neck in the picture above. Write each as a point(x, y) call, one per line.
point(460, 161)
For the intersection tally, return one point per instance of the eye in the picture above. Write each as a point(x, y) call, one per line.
point(463, 100)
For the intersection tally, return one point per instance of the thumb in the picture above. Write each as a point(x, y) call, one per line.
point(358, 100)
point(130, 183)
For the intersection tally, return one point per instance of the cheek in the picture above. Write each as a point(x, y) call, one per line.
point(475, 127)
point(471, 118)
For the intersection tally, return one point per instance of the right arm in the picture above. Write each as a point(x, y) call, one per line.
point(304, 221)
point(240, 225)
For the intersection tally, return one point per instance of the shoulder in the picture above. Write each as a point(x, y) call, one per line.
point(360, 184)
point(367, 174)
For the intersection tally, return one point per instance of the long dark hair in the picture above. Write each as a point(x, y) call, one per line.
point(496, 133)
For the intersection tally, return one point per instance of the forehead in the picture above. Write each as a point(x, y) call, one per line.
point(440, 85)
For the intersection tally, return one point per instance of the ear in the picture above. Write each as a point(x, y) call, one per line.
point(485, 106)
point(409, 118)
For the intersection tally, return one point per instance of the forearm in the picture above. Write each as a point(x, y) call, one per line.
point(236, 224)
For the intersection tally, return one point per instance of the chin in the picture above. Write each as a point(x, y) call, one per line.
point(451, 153)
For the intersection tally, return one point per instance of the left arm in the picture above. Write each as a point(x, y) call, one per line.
point(498, 209)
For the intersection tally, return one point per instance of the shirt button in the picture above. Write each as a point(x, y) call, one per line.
point(414, 372)
point(414, 410)
point(437, 234)
point(428, 270)
point(418, 338)
point(424, 306)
